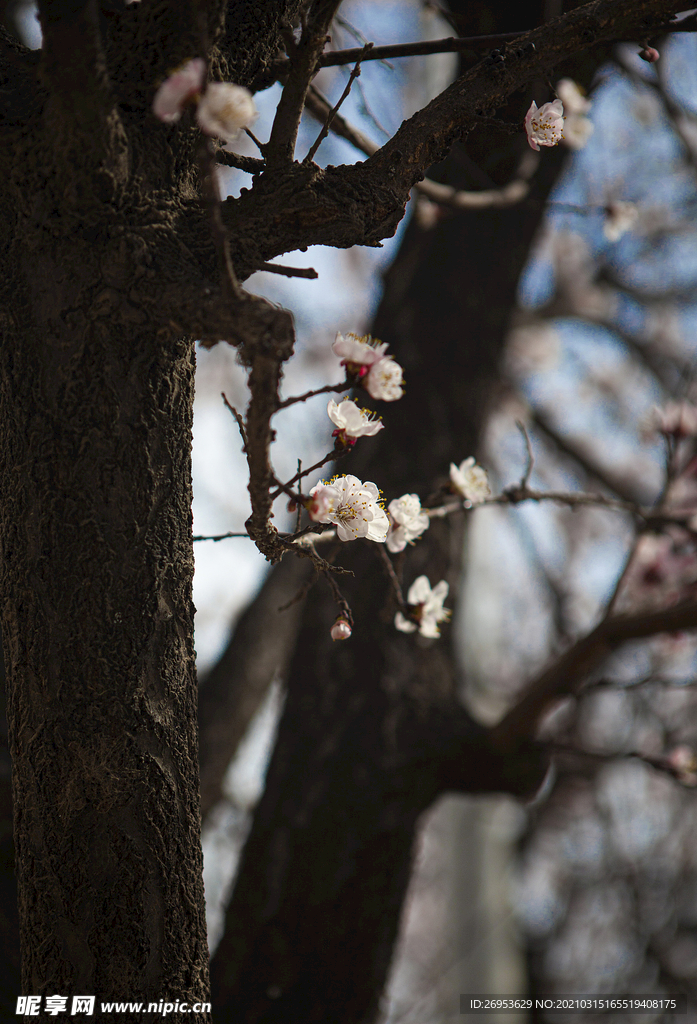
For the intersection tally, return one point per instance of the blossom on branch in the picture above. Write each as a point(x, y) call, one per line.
point(353, 506)
point(364, 358)
point(407, 522)
point(182, 87)
point(358, 352)
point(384, 380)
point(545, 126)
point(470, 480)
point(426, 607)
point(341, 630)
point(224, 110)
point(351, 422)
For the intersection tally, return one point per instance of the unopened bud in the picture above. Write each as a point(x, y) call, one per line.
point(341, 630)
point(649, 54)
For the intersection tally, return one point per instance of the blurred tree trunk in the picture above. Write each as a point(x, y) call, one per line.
point(373, 732)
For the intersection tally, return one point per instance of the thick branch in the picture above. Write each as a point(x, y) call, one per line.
point(281, 145)
point(363, 203)
point(579, 661)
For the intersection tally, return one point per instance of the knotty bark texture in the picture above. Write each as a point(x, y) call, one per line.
point(96, 398)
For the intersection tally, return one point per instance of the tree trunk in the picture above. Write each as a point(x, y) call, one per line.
point(97, 621)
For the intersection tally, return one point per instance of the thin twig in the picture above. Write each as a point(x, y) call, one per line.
point(276, 268)
point(238, 418)
point(333, 454)
point(343, 386)
point(222, 536)
point(525, 479)
point(393, 578)
point(324, 131)
point(250, 164)
point(261, 146)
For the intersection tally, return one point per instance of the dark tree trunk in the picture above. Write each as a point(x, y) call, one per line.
point(372, 731)
point(97, 623)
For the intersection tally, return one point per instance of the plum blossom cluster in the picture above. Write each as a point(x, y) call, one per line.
point(425, 608)
point(222, 109)
point(354, 507)
point(470, 480)
point(544, 125)
point(366, 361)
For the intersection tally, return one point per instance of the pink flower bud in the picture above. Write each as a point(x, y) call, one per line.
point(649, 54)
point(341, 629)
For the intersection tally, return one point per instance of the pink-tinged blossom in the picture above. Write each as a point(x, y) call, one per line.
point(351, 422)
point(426, 607)
point(182, 87)
point(353, 506)
point(341, 630)
point(678, 419)
point(407, 522)
point(384, 380)
point(224, 110)
point(358, 352)
point(545, 126)
point(650, 54)
point(470, 480)
point(619, 218)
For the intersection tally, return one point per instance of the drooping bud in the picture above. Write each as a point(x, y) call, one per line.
point(341, 630)
point(650, 54)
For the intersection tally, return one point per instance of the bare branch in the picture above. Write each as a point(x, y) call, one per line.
point(284, 132)
point(586, 655)
point(276, 268)
point(363, 203)
point(335, 109)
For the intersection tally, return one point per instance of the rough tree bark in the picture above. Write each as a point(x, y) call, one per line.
point(96, 394)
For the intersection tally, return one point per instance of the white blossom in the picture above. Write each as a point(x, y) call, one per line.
point(545, 126)
point(358, 351)
point(407, 521)
point(619, 218)
point(427, 606)
point(384, 380)
point(577, 131)
point(224, 109)
point(351, 421)
point(341, 630)
point(354, 507)
point(183, 86)
point(572, 98)
point(470, 480)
